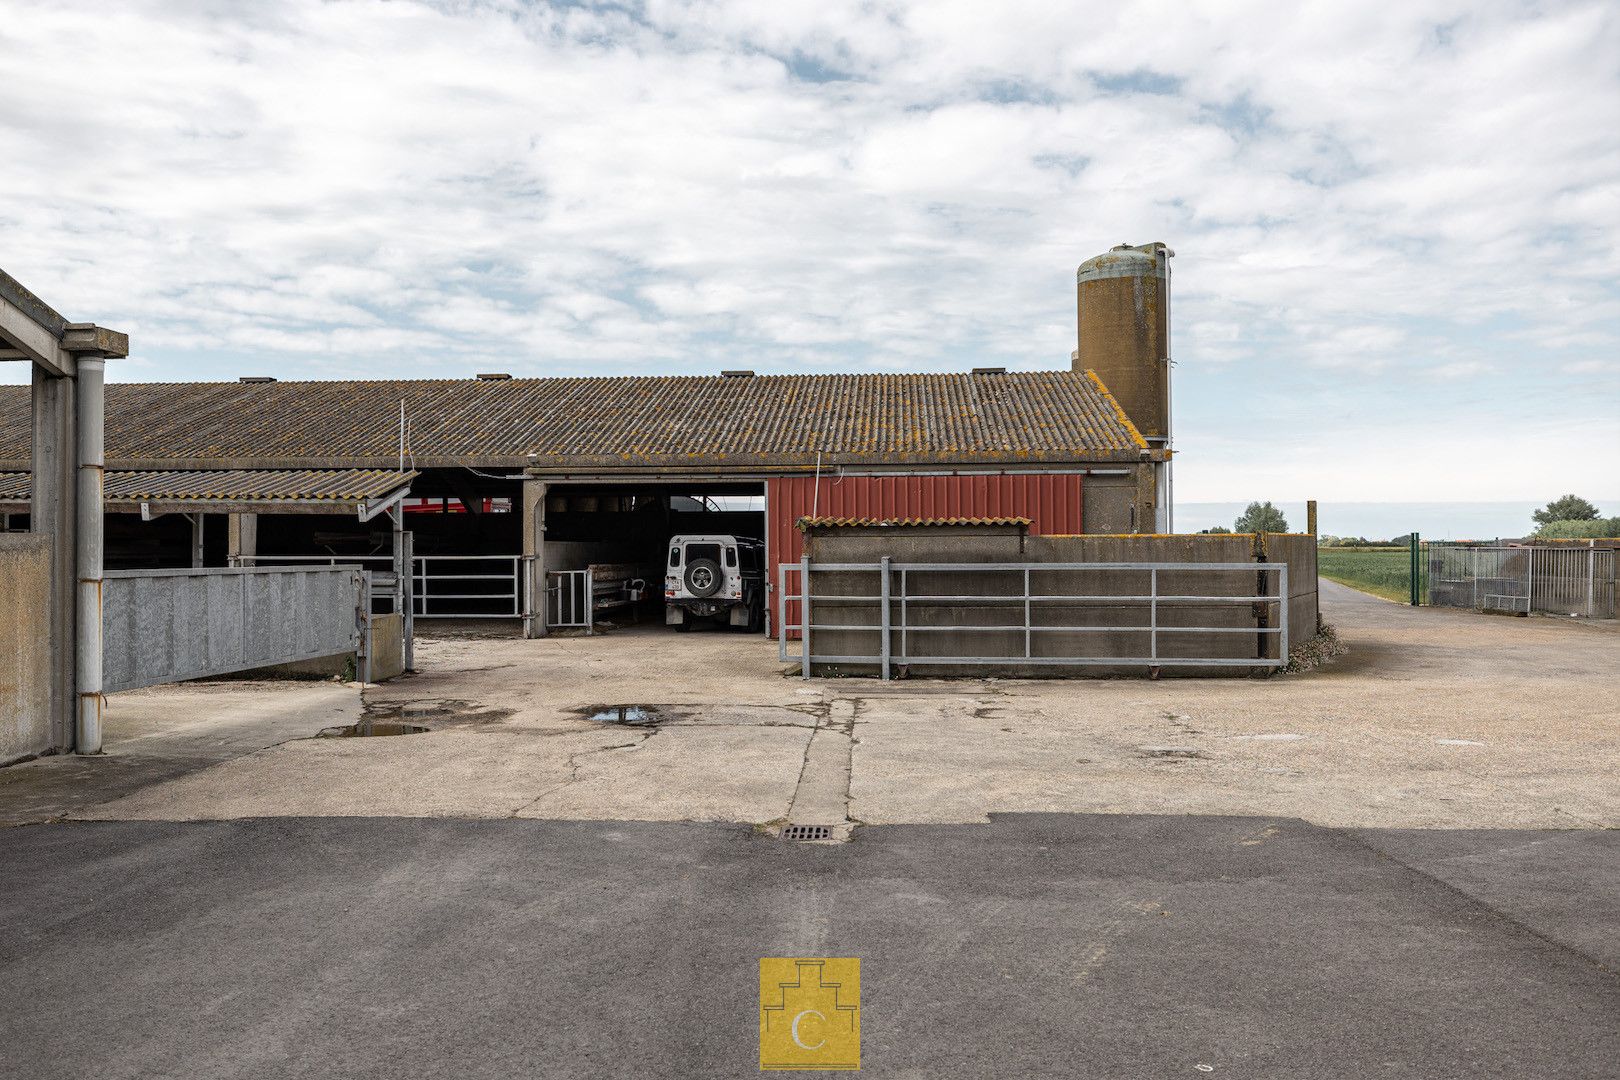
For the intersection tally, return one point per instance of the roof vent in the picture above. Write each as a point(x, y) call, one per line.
point(740, 373)
point(255, 379)
point(989, 371)
point(493, 376)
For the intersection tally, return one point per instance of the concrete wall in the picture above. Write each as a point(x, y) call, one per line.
point(387, 646)
point(25, 659)
point(1009, 544)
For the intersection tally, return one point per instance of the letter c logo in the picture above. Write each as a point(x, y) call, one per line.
point(800, 1042)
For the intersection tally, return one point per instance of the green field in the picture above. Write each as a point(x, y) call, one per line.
point(1383, 572)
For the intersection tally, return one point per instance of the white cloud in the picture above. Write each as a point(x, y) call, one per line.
point(1413, 193)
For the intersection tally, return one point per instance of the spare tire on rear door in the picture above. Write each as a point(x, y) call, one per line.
point(703, 577)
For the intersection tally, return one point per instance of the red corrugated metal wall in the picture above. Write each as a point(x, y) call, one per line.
point(1050, 500)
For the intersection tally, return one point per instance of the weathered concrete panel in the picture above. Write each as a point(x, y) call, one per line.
point(387, 647)
point(25, 654)
point(166, 625)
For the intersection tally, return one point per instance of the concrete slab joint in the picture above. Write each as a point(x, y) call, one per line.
point(822, 795)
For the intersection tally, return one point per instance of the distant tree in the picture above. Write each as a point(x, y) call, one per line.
point(1568, 508)
point(1261, 517)
point(1597, 529)
point(1215, 529)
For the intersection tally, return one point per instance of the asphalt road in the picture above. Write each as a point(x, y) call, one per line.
point(1036, 946)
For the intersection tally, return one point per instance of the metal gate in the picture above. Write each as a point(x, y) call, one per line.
point(1555, 580)
point(570, 600)
point(1154, 615)
point(443, 586)
point(162, 626)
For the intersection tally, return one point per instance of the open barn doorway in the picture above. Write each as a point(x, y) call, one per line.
point(606, 552)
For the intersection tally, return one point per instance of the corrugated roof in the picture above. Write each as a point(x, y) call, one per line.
point(869, 522)
point(660, 422)
point(235, 485)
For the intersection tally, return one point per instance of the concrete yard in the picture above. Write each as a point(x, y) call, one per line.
point(1435, 719)
point(1404, 864)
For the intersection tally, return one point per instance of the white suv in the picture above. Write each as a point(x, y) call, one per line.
point(714, 579)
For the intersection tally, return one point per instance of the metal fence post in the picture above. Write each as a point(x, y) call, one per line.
point(1153, 614)
point(1414, 572)
point(883, 592)
point(1282, 611)
point(1591, 565)
point(782, 623)
point(407, 596)
point(589, 614)
point(804, 616)
point(365, 627)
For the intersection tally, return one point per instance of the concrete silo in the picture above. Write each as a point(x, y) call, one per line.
point(1122, 301)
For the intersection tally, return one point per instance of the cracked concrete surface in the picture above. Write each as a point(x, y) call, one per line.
point(1436, 719)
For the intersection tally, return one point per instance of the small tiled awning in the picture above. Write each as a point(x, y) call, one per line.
point(271, 491)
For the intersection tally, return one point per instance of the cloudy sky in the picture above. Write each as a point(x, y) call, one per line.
point(1397, 225)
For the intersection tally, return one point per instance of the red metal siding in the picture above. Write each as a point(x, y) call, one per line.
point(1050, 500)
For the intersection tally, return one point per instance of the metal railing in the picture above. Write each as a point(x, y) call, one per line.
point(901, 635)
point(570, 600)
point(444, 586)
point(1553, 579)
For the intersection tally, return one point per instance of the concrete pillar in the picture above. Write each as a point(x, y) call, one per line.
point(243, 540)
point(52, 511)
point(534, 558)
point(92, 467)
point(196, 540)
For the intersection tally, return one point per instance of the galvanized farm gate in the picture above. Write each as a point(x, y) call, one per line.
point(1553, 580)
point(163, 626)
point(891, 614)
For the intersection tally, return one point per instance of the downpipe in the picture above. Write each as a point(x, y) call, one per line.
point(92, 473)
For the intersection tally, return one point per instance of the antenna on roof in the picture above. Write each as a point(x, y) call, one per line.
point(401, 434)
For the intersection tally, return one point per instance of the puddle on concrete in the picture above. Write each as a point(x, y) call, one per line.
point(372, 728)
point(630, 715)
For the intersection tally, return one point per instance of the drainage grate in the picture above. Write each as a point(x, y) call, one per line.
point(807, 832)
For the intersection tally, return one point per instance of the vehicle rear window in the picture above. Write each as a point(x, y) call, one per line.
point(731, 556)
point(674, 556)
point(703, 551)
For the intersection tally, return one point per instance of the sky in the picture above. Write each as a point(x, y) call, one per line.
point(1397, 226)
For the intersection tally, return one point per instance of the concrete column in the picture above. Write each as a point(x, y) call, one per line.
point(196, 540)
point(243, 539)
point(92, 467)
point(52, 511)
point(534, 558)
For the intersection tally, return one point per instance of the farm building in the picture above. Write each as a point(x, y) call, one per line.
point(506, 482)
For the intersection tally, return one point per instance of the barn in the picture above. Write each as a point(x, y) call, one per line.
point(505, 487)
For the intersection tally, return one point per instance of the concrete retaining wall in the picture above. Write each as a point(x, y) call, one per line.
point(1009, 544)
point(25, 669)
